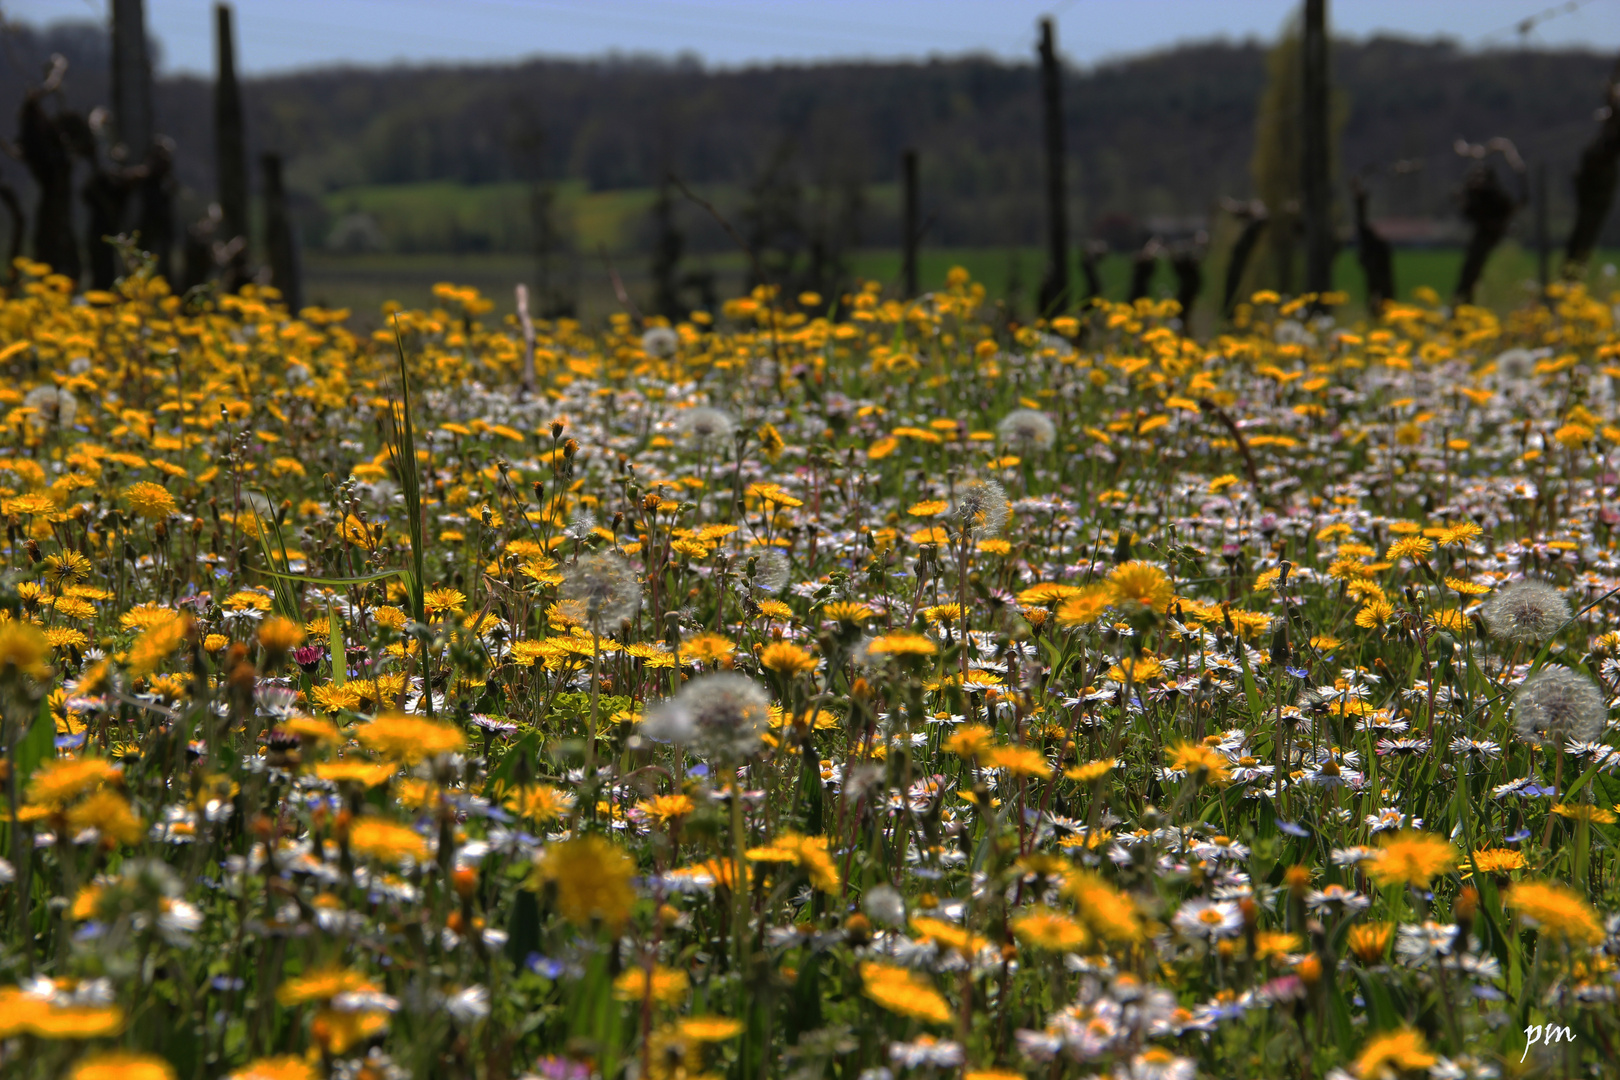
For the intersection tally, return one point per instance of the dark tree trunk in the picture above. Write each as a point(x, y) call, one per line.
point(197, 257)
point(1317, 184)
point(230, 151)
point(49, 158)
point(1188, 266)
point(908, 221)
point(1054, 296)
point(1595, 179)
point(1489, 207)
point(1376, 256)
point(1090, 255)
point(107, 196)
point(280, 238)
point(668, 247)
point(156, 224)
point(18, 223)
point(1242, 252)
point(131, 80)
point(1142, 269)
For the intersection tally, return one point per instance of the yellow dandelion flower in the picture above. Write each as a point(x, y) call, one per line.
point(119, 1065)
point(970, 741)
point(664, 809)
point(310, 730)
point(1557, 911)
point(1085, 606)
point(278, 636)
point(1375, 614)
point(1370, 941)
point(110, 814)
point(709, 648)
point(1498, 860)
point(322, 984)
point(58, 783)
point(709, 1028)
point(332, 698)
point(276, 1068)
point(150, 501)
point(65, 637)
point(364, 773)
point(1412, 858)
point(592, 879)
point(948, 935)
point(1416, 548)
point(787, 659)
point(666, 986)
point(24, 649)
point(158, 643)
point(1460, 533)
point(1201, 763)
point(386, 841)
point(1042, 928)
point(904, 992)
point(847, 611)
point(808, 853)
point(146, 616)
point(1109, 913)
point(1142, 583)
point(1016, 761)
point(1584, 812)
point(1394, 1054)
point(409, 739)
point(541, 803)
point(1091, 770)
point(901, 643)
point(438, 601)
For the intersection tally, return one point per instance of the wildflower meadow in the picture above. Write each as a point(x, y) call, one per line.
point(834, 687)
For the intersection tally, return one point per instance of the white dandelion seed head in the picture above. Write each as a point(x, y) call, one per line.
point(56, 407)
point(1526, 612)
point(581, 525)
point(601, 591)
point(660, 341)
point(885, 906)
point(722, 716)
point(705, 424)
point(1029, 429)
point(1514, 365)
point(980, 508)
point(770, 574)
point(1558, 705)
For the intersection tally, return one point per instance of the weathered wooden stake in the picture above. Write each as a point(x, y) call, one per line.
point(1255, 218)
point(1374, 253)
point(230, 150)
point(42, 140)
point(1054, 296)
point(131, 80)
point(280, 238)
point(1317, 184)
point(1542, 252)
point(1595, 179)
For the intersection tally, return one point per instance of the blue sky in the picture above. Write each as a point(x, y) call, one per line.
point(277, 35)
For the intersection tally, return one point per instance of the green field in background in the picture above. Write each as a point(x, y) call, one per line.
point(485, 228)
point(363, 282)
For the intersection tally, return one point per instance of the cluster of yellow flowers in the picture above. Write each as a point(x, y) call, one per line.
point(870, 688)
